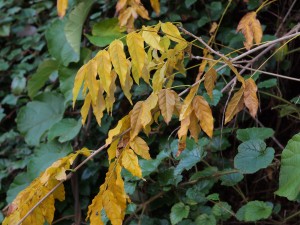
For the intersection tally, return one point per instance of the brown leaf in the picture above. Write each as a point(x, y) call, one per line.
point(156, 6)
point(194, 126)
point(251, 29)
point(250, 97)
point(210, 81)
point(235, 105)
point(166, 100)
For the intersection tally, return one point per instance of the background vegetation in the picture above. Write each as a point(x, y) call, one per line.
point(40, 57)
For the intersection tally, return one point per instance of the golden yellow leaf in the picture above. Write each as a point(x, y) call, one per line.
point(184, 124)
point(235, 105)
point(130, 162)
point(111, 151)
point(204, 115)
point(159, 78)
point(156, 6)
point(140, 9)
point(250, 98)
point(85, 108)
point(91, 80)
point(94, 210)
point(122, 125)
point(112, 208)
point(135, 119)
point(126, 87)
point(210, 81)
point(104, 69)
point(125, 15)
point(186, 109)
point(140, 147)
point(151, 37)
point(173, 33)
point(166, 101)
point(149, 104)
point(120, 5)
point(99, 107)
point(251, 29)
point(118, 58)
point(78, 82)
point(110, 95)
point(135, 44)
point(62, 6)
point(194, 126)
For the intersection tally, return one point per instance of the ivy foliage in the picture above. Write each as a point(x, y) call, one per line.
point(181, 148)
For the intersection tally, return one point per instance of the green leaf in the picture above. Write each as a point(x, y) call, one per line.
point(105, 31)
point(45, 155)
point(179, 211)
point(188, 3)
point(202, 21)
point(66, 130)
point(58, 45)
point(254, 210)
point(190, 156)
point(39, 115)
point(222, 210)
point(216, 10)
point(38, 79)
point(74, 24)
point(206, 219)
point(253, 156)
point(231, 179)
point(254, 133)
point(198, 191)
point(267, 83)
point(289, 182)
point(66, 82)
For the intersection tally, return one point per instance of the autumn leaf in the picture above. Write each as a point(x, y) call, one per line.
point(112, 208)
point(135, 119)
point(130, 162)
point(251, 29)
point(173, 33)
point(210, 81)
point(91, 80)
point(79, 78)
point(85, 108)
point(156, 6)
point(120, 5)
point(250, 98)
point(194, 126)
point(135, 44)
point(140, 9)
point(184, 124)
point(186, 109)
point(235, 105)
point(166, 101)
point(149, 104)
point(159, 78)
point(122, 125)
point(104, 69)
point(140, 147)
point(62, 6)
point(99, 107)
point(151, 37)
point(204, 115)
point(110, 97)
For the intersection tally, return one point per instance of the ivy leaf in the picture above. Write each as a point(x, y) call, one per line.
point(39, 115)
point(235, 105)
point(179, 211)
point(130, 162)
point(222, 210)
point(231, 179)
point(254, 211)
point(289, 182)
point(38, 79)
point(66, 130)
point(250, 98)
point(253, 156)
point(204, 115)
point(166, 101)
point(206, 219)
point(251, 29)
point(254, 133)
point(62, 6)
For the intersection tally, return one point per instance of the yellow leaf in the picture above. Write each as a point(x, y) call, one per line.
point(156, 6)
point(135, 44)
point(78, 82)
point(140, 147)
point(210, 81)
point(128, 84)
point(125, 15)
point(151, 37)
point(166, 101)
point(173, 33)
point(85, 108)
point(130, 162)
point(194, 126)
point(149, 104)
point(112, 208)
point(120, 5)
point(122, 125)
point(250, 97)
point(136, 119)
point(118, 59)
point(159, 78)
point(251, 29)
point(184, 124)
point(91, 80)
point(94, 210)
point(213, 28)
point(99, 107)
point(204, 115)
point(104, 69)
point(112, 150)
point(62, 6)
point(110, 95)
point(186, 109)
point(235, 105)
point(140, 9)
